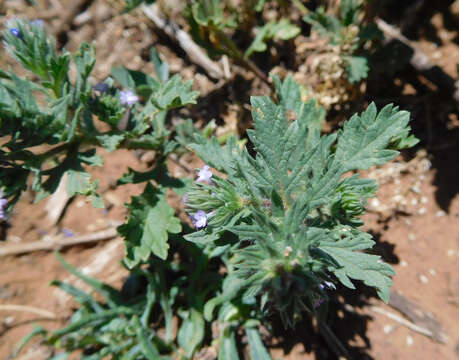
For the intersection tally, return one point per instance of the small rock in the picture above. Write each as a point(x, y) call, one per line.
point(414, 202)
point(424, 279)
point(409, 340)
point(403, 263)
point(440, 213)
point(80, 203)
point(411, 237)
point(375, 203)
point(388, 328)
point(8, 320)
point(450, 253)
point(422, 211)
point(432, 272)
point(424, 199)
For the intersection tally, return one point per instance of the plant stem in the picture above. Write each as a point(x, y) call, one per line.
point(299, 5)
point(235, 53)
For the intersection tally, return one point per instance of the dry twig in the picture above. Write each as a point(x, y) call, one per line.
point(57, 243)
point(421, 62)
point(186, 43)
point(45, 313)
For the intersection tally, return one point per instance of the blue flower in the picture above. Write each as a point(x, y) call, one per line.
point(67, 232)
point(37, 22)
point(3, 203)
point(326, 284)
point(128, 97)
point(204, 175)
point(15, 31)
point(101, 87)
point(199, 219)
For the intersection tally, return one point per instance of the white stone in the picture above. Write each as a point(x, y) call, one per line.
point(409, 340)
point(424, 279)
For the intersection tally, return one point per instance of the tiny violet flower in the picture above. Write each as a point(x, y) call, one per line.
point(3, 203)
point(67, 232)
point(199, 219)
point(318, 302)
point(204, 175)
point(185, 199)
point(15, 32)
point(326, 284)
point(101, 87)
point(128, 97)
point(37, 22)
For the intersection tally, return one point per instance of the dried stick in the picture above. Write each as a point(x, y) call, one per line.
point(402, 321)
point(45, 313)
point(57, 243)
point(418, 316)
point(186, 43)
point(420, 61)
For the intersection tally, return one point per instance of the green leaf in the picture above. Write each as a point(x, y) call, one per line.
point(282, 30)
point(357, 68)
point(257, 349)
point(112, 296)
point(207, 12)
point(148, 349)
point(191, 332)
point(227, 349)
point(110, 141)
point(150, 220)
point(174, 93)
point(357, 265)
point(364, 139)
point(161, 67)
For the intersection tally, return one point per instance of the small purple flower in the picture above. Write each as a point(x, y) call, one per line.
point(3, 203)
point(128, 97)
point(37, 22)
point(317, 302)
point(326, 284)
point(204, 175)
point(15, 31)
point(185, 199)
point(101, 87)
point(199, 219)
point(67, 232)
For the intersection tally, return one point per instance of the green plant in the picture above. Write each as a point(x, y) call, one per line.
point(274, 233)
point(346, 31)
point(49, 122)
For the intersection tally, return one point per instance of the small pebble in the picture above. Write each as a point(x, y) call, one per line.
point(388, 328)
point(80, 203)
point(432, 272)
point(422, 211)
point(409, 340)
point(8, 320)
point(414, 202)
point(450, 252)
point(375, 202)
point(424, 279)
point(403, 263)
point(440, 213)
point(424, 199)
point(411, 237)
point(416, 189)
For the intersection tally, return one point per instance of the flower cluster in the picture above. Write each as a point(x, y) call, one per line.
point(200, 218)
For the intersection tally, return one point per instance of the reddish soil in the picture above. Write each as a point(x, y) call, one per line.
point(415, 219)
